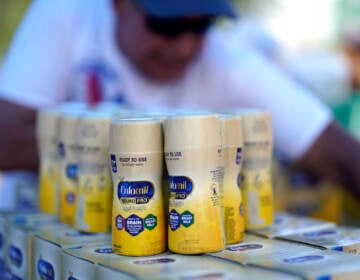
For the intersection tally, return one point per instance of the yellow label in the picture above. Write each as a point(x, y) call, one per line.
point(195, 217)
point(94, 198)
point(49, 186)
point(257, 198)
point(138, 210)
point(231, 200)
point(256, 185)
point(68, 183)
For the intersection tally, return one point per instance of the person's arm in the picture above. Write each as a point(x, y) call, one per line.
point(304, 130)
point(35, 74)
point(335, 155)
point(17, 141)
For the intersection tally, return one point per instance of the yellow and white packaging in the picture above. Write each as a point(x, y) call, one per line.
point(194, 161)
point(171, 266)
point(68, 151)
point(48, 247)
point(95, 187)
point(343, 239)
point(81, 262)
point(288, 224)
point(47, 138)
point(298, 192)
point(47, 132)
point(76, 266)
point(257, 250)
point(320, 265)
point(20, 247)
point(136, 159)
point(231, 200)
point(256, 184)
point(300, 260)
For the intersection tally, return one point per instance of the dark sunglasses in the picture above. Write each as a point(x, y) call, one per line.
point(175, 27)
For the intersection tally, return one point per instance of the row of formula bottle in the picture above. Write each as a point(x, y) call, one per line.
point(187, 180)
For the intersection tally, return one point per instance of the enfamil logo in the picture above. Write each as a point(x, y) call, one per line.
point(135, 192)
point(180, 187)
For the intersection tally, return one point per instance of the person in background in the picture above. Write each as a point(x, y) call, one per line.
point(157, 53)
point(331, 74)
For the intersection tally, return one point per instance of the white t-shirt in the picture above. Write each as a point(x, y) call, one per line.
point(61, 42)
point(327, 73)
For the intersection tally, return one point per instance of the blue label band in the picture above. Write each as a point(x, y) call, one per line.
point(78, 233)
point(320, 233)
point(72, 171)
point(113, 163)
point(154, 261)
point(108, 250)
point(303, 259)
point(135, 192)
point(180, 187)
point(238, 156)
point(245, 247)
point(61, 149)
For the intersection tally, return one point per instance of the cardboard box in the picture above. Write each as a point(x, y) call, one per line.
point(10, 219)
point(81, 262)
point(345, 239)
point(75, 267)
point(20, 246)
point(172, 266)
point(286, 224)
point(309, 263)
point(48, 247)
point(254, 249)
point(164, 266)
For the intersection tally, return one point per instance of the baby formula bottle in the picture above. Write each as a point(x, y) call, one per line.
point(136, 158)
point(256, 181)
point(194, 162)
point(47, 133)
point(68, 151)
point(231, 200)
point(95, 189)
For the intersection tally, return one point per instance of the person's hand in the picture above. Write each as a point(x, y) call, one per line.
point(17, 141)
point(335, 155)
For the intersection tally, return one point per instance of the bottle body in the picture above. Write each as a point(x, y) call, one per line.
point(195, 218)
point(138, 211)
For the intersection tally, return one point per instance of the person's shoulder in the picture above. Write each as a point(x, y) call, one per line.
point(223, 50)
point(65, 9)
point(59, 6)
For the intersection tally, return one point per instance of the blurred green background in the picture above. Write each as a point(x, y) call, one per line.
point(11, 12)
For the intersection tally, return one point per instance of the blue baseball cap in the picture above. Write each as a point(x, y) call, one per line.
point(181, 8)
